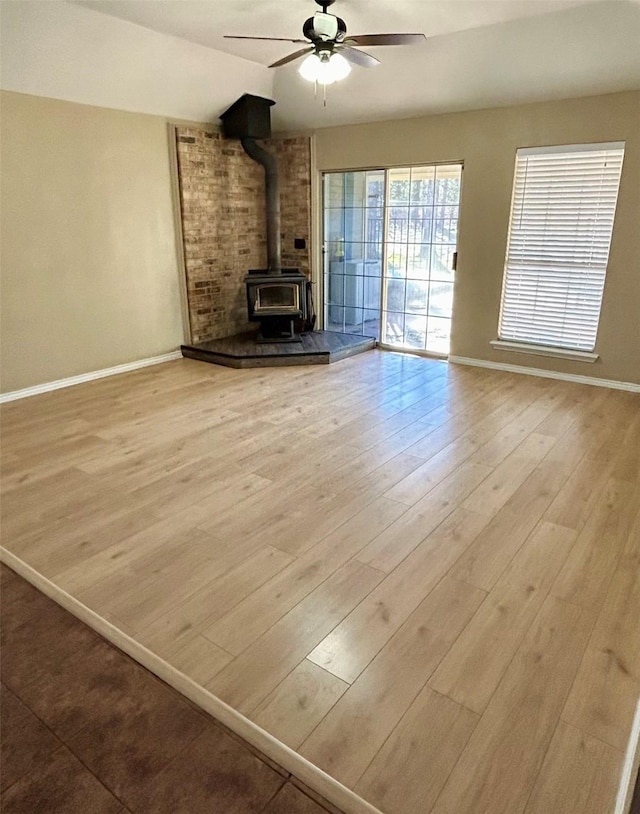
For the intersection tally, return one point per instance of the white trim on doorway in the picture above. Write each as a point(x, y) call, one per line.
point(630, 767)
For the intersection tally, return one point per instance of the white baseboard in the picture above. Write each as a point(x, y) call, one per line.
point(547, 374)
point(326, 786)
point(37, 389)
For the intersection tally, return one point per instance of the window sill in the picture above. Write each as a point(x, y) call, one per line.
point(543, 350)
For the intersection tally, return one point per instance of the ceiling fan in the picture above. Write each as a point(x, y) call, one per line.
point(328, 48)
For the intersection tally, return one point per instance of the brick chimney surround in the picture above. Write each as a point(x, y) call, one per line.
point(222, 197)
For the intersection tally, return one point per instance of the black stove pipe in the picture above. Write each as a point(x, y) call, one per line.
point(272, 194)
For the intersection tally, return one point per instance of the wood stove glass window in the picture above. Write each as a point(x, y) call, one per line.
point(276, 298)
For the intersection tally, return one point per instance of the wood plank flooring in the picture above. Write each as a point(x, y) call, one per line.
point(423, 577)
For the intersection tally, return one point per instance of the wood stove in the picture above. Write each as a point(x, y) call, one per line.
point(277, 298)
point(277, 302)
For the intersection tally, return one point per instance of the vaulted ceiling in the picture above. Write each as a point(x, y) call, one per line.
point(478, 53)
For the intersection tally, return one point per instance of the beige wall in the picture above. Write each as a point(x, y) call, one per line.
point(89, 267)
point(486, 141)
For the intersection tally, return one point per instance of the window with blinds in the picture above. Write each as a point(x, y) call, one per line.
point(562, 211)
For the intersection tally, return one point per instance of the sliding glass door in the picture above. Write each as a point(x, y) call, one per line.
point(353, 230)
point(390, 251)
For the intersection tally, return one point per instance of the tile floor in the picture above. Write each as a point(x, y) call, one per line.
point(87, 729)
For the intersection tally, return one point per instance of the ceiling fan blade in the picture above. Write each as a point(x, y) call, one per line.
point(385, 39)
point(360, 58)
point(291, 57)
point(272, 39)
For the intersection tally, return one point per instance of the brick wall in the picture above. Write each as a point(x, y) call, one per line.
point(223, 222)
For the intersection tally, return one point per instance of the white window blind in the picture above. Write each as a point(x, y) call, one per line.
point(562, 211)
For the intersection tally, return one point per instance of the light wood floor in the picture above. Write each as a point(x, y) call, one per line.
point(424, 578)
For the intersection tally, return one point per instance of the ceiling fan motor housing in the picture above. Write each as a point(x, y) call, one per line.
point(324, 28)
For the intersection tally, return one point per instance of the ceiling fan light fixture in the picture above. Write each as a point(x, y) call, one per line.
point(324, 67)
